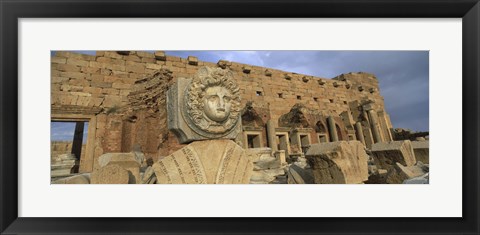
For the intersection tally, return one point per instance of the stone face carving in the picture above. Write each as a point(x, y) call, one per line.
point(205, 162)
point(204, 107)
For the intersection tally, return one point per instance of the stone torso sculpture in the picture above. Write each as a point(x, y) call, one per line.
point(205, 110)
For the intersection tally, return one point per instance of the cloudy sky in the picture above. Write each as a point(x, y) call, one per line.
point(403, 75)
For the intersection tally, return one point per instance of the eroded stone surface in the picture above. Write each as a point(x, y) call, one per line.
point(62, 165)
point(421, 150)
point(338, 162)
point(299, 174)
point(424, 179)
point(387, 154)
point(205, 162)
point(399, 173)
point(128, 161)
point(77, 179)
point(105, 159)
point(110, 174)
point(266, 168)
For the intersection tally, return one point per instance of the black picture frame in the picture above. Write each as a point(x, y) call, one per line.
point(11, 11)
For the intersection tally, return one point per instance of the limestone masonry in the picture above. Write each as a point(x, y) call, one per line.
point(123, 97)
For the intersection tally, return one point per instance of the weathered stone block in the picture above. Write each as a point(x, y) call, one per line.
point(77, 62)
point(297, 174)
point(153, 66)
point(58, 60)
point(174, 58)
point(121, 86)
point(192, 60)
point(133, 58)
point(68, 68)
point(386, 154)
point(112, 54)
point(133, 169)
point(257, 153)
point(145, 54)
point(105, 159)
point(246, 69)
point(399, 173)
point(205, 162)
point(160, 55)
point(339, 162)
point(62, 165)
point(111, 174)
point(74, 75)
point(59, 80)
point(135, 67)
point(281, 157)
point(421, 150)
point(224, 64)
point(77, 179)
point(123, 52)
point(424, 179)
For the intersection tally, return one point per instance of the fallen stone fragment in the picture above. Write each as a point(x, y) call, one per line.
point(424, 179)
point(205, 162)
point(62, 165)
point(149, 176)
point(299, 175)
point(120, 157)
point(421, 150)
point(386, 154)
point(76, 179)
point(256, 153)
point(110, 174)
point(260, 178)
point(128, 161)
point(341, 162)
point(400, 173)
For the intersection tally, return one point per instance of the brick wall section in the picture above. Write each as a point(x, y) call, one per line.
point(99, 86)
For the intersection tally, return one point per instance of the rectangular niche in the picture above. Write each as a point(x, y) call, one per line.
point(322, 138)
point(253, 139)
point(283, 142)
point(304, 141)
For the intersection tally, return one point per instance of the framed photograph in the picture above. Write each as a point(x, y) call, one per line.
point(73, 73)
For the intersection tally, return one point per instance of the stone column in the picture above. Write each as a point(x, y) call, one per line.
point(359, 132)
point(332, 129)
point(374, 125)
point(272, 140)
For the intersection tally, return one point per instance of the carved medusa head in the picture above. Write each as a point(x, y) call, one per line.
point(213, 102)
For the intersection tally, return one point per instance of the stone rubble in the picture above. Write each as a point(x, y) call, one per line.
point(267, 169)
point(62, 165)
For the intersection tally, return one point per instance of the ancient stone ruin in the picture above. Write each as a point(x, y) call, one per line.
point(154, 118)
